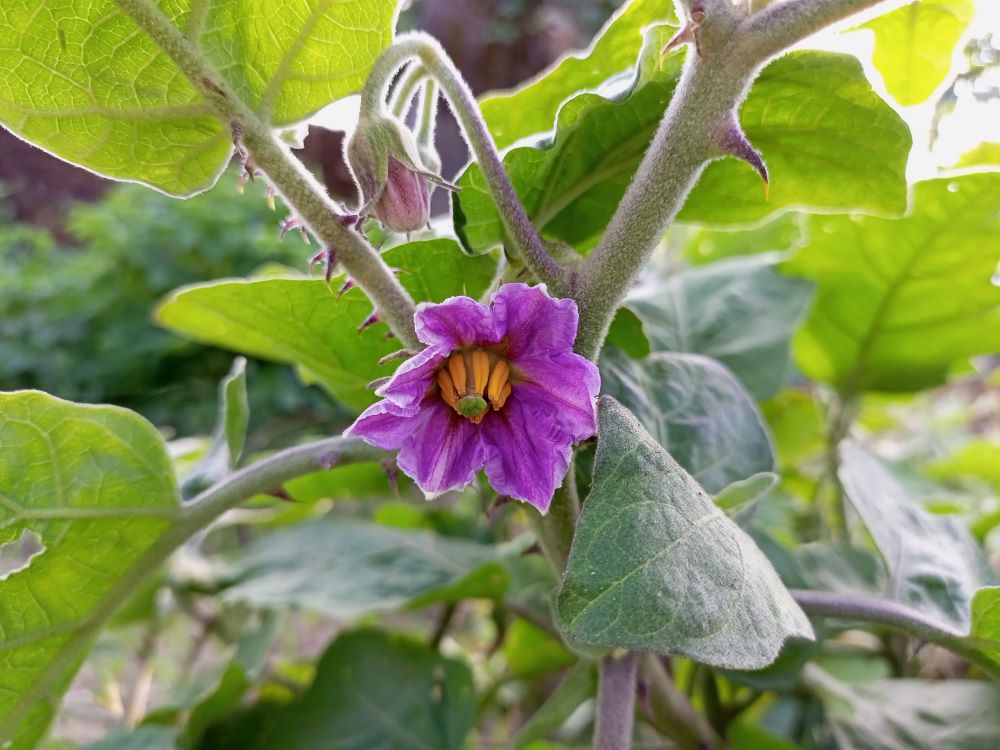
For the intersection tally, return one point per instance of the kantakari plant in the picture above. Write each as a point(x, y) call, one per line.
point(498, 386)
point(508, 386)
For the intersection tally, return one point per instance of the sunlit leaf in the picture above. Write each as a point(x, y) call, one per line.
point(96, 485)
point(915, 44)
point(83, 81)
point(900, 301)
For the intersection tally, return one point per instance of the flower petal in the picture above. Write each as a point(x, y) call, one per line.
point(563, 386)
point(412, 379)
point(454, 323)
point(443, 450)
point(527, 455)
point(534, 323)
point(385, 425)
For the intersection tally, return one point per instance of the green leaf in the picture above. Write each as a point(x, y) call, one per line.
point(983, 155)
point(355, 568)
point(906, 714)
point(88, 85)
point(531, 651)
point(915, 44)
point(985, 633)
point(627, 334)
point(740, 311)
point(695, 409)
point(372, 690)
point(143, 738)
point(579, 685)
point(900, 301)
point(831, 144)
point(655, 566)
point(979, 459)
point(702, 245)
point(532, 108)
point(935, 564)
point(303, 321)
point(96, 485)
point(745, 492)
point(224, 453)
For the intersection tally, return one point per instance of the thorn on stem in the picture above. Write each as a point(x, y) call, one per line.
point(369, 321)
point(401, 354)
point(734, 143)
point(392, 474)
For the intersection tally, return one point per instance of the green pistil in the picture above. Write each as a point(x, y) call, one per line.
point(471, 407)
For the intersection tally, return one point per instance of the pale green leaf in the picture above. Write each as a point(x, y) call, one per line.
point(983, 155)
point(224, 453)
point(372, 691)
point(84, 82)
point(900, 301)
point(96, 485)
point(740, 311)
point(831, 144)
point(304, 322)
point(353, 568)
point(915, 44)
point(695, 409)
point(655, 566)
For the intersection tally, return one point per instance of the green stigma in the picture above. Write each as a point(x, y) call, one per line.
point(471, 407)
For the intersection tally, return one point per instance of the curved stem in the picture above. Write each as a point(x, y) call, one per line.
point(405, 88)
point(428, 113)
point(896, 616)
point(615, 712)
point(519, 228)
point(299, 188)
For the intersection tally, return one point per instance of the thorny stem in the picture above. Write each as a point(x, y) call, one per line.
point(287, 174)
point(692, 133)
point(615, 709)
point(896, 616)
point(522, 232)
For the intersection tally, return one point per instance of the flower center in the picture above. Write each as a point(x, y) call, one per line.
point(470, 378)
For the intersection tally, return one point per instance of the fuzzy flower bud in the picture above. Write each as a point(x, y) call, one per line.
point(395, 185)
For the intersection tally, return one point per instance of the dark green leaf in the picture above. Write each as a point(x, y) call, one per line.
point(86, 83)
point(304, 322)
point(346, 568)
point(373, 691)
point(96, 486)
point(655, 566)
point(741, 312)
point(900, 301)
point(695, 409)
point(934, 563)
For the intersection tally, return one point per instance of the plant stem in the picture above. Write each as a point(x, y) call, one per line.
point(671, 712)
point(402, 93)
point(522, 232)
point(555, 529)
point(298, 187)
point(616, 702)
point(896, 616)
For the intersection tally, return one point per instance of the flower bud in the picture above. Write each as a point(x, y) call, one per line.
point(395, 185)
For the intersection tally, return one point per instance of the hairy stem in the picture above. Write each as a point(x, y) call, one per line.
point(521, 231)
point(615, 702)
point(405, 88)
point(695, 130)
point(671, 712)
point(555, 529)
point(896, 616)
point(298, 187)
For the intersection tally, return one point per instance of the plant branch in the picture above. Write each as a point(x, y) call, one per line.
point(555, 529)
point(519, 228)
point(671, 712)
point(287, 174)
point(896, 616)
point(783, 24)
point(699, 126)
point(616, 702)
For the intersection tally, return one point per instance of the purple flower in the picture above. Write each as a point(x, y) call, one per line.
point(497, 387)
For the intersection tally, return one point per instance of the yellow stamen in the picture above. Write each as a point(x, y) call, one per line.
point(498, 379)
point(456, 368)
point(480, 371)
point(448, 392)
point(504, 395)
